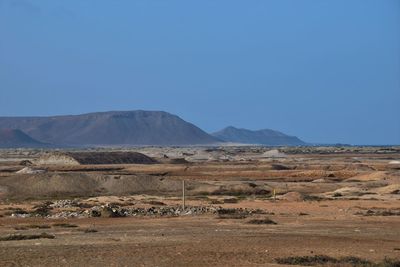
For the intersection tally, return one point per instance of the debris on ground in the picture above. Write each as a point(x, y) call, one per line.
point(49, 210)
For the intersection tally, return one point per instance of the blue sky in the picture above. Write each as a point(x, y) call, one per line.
point(324, 70)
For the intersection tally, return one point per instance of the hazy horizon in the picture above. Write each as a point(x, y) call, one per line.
point(324, 71)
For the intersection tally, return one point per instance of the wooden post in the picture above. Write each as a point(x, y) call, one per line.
point(183, 195)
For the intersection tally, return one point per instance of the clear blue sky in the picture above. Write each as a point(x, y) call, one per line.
point(326, 71)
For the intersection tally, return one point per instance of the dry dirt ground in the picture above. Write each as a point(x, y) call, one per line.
point(336, 202)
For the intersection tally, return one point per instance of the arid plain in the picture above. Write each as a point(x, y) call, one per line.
point(244, 206)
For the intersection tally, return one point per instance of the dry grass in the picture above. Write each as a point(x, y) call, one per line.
point(14, 237)
point(262, 221)
point(90, 230)
point(65, 225)
point(231, 214)
point(32, 226)
point(323, 260)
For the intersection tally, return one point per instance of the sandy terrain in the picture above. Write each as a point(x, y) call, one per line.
point(334, 202)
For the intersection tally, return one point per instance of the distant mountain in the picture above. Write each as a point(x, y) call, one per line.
point(263, 137)
point(111, 128)
point(13, 138)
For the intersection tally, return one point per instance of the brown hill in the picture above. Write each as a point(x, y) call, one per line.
point(263, 137)
point(13, 138)
point(111, 128)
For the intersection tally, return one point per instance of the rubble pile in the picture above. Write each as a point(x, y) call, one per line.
point(113, 210)
point(116, 211)
point(64, 203)
point(379, 212)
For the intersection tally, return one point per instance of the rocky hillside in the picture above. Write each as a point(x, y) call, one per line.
point(111, 128)
point(13, 138)
point(263, 137)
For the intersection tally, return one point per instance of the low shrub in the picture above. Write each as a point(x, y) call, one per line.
point(65, 225)
point(262, 221)
point(14, 237)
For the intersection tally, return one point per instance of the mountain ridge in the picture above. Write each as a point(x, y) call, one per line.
point(132, 128)
point(15, 138)
point(262, 136)
point(136, 127)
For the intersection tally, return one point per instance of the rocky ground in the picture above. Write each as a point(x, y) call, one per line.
point(245, 206)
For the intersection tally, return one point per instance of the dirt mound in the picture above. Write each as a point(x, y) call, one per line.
point(42, 185)
point(89, 158)
point(292, 196)
point(390, 189)
point(394, 164)
point(370, 176)
point(359, 167)
point(56, 159)
point(111, 158)
point(349, 191)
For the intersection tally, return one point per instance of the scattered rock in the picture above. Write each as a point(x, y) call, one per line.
point(274, 153)
point(26, 163)
point(64, 203)
point(29, 170)
point(322, 180)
